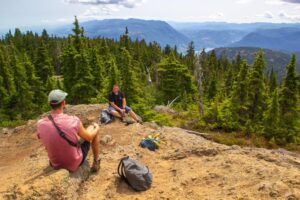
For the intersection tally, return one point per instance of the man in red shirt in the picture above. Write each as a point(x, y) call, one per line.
point(66, 140)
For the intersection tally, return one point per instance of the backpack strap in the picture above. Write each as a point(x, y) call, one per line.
point(121, 172)
point(61, 133)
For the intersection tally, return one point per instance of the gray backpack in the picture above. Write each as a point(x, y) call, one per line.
point(134, 174)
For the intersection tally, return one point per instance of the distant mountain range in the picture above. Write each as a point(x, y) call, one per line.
point(274, 59)
point(284, 37)
point(149, 30)
point(279, 36)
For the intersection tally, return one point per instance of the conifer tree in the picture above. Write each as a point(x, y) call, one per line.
point(83, 89)
point(22, 100)
point(125, 39)
point(237, 63)
point(36, 85)
point(174, 79)
point(289, 102)
point(7, 75)
point(3, 96)
point(114, 74)
point(69, 67)
point(129, 82)
point(45, 37)
point(212, 89)
point(239, 95)
point(273, 82)
point(97, 69)
point(78, 33)
point(191, 57)
point(272, 118)
point(257, 89)
point(43, 64)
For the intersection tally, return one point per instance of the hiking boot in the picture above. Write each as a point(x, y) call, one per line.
point(96, 166)
point(140, 121)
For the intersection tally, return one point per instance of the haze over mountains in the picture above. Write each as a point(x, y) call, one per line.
point(276, 36)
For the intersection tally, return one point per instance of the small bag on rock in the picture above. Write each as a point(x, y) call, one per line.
point(135, 174)
point(106, 117)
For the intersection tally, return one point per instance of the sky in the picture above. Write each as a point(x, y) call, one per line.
point(24, 13)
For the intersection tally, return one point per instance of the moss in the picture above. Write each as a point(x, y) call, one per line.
point(12, 124)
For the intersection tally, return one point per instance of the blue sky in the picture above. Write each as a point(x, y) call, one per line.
point(18, 13)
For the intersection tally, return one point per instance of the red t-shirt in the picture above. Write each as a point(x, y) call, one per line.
point(61, 154)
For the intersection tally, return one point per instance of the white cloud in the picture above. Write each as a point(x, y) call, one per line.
point(285, 16)
point(274, 2)
point(268, 15)
point(98, 12)
point(100, 8)
point(56, 21)
point(243, 1)
point(124, 3)
point(217, 15)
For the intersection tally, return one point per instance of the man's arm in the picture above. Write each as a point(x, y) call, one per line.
point(124, 102)
point(89, 133)
point(115, 106)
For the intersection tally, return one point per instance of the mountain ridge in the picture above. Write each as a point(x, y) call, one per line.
point(149, 30)
point(287, 39)
point(274, 59)
point(204, 34)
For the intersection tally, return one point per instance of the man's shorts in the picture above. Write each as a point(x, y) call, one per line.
point(85, 147)
point(127, 109)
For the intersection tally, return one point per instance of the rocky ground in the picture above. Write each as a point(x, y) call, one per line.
point(187, 167)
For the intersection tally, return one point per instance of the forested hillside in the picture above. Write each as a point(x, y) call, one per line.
point(274, 59)
point(211, 93)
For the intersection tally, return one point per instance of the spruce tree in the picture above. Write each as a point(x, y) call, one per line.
point(257, 89)
point(69, 67)
point(191, 57)
point(97, 69)
point(22, 100)
point(114, 74)
point(273, 82)
point(129, 82)
point(212, 89)
point(125, 40)
point(83, 89)
point(43, 64)
point(174, 79)
point(7, 75)
point(239, 95)
point(272, 118)
point(3, 96)
point(36, 86)
point(78, 34)
point(289, 102)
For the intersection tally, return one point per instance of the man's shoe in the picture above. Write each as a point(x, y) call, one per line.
point(96, 166)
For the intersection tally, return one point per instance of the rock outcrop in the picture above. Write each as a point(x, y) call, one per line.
point(186, 167)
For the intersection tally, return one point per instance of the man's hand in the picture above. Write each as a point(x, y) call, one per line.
point(89, 133)
point(96, 126)
point(123, 112)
